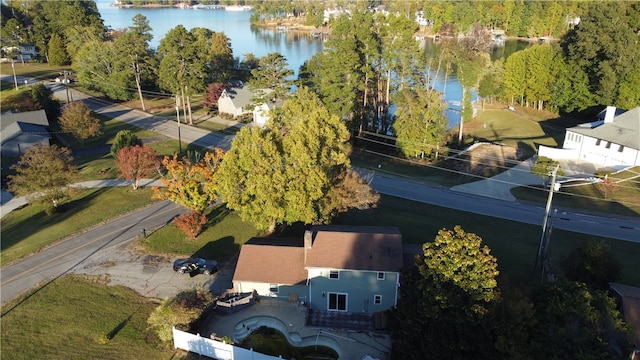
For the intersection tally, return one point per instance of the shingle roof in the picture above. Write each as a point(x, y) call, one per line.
point(624, 130)
point(37, 117)
point(356, 248)
point(277, 261)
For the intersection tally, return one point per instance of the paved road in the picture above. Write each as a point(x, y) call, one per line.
point(75, 254)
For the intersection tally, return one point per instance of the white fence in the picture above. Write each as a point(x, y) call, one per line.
point(215, 349)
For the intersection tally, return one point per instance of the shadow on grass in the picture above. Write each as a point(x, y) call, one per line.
point(219, 250)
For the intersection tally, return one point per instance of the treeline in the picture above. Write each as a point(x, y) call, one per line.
point(372, 73)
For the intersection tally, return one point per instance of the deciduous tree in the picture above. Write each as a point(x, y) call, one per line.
point(544, 167)
point(190, 183)
point(78, 120)
point(446, 301)
point(43, 173)
point(290, 171)
point(137, 162)
point(593, 264)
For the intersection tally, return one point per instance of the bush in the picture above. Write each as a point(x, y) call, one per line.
point(179, 311)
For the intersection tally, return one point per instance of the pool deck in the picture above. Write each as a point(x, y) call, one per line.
point(354, 345)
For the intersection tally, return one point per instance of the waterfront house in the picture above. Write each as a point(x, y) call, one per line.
point(612, 140)
point(352, 269)
point(235, 100)
point(20, 131)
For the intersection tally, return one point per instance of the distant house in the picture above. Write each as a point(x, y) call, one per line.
point(334, 268)
point(20, 131)
point(612, 140)
point(23, 51)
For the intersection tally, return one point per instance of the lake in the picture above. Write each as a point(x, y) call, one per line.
point(296, 47)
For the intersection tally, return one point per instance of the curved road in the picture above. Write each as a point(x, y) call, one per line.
point(66, 256)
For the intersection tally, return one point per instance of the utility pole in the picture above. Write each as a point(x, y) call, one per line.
point(552, 189)
point(15, 80)
point(178, 118)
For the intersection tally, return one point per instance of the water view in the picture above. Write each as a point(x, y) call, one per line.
point(296, 47)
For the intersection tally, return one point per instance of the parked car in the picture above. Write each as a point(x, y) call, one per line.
point(199, 265)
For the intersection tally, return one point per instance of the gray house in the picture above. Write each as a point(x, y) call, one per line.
point(20, 131)
point(334, 268)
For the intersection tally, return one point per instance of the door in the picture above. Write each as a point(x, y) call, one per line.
point(337, 302)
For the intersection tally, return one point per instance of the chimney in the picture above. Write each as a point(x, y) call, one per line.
point(308, 241)
point(609, 114)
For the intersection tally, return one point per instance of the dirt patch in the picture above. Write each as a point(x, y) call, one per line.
point(485, 160)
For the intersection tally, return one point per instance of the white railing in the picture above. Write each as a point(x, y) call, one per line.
point(215, 349)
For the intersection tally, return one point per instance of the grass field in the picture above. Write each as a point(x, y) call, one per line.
point(224, 235)
point(77, 317)
point(27, 230)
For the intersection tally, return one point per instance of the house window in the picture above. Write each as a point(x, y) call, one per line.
point(380, 276)
point(334, 274)
point(273, 288)
point(608, 144)
point(337, 302)
point(621, 148)
point(598, 142)
point(377, 299)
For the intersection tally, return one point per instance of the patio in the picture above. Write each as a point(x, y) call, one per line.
point(353, 333)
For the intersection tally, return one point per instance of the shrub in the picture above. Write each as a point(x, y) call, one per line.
point(179, 311)
point(191, 223)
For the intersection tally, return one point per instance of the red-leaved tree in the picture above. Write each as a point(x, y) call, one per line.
point(137, 162)
point(191, 224)
point(214, 91)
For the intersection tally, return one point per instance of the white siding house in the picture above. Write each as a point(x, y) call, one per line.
point(613, 140)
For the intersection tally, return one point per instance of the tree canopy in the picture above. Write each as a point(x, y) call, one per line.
point(43, 173)
point(78, 120)
point(290, 171)
point(137, 162)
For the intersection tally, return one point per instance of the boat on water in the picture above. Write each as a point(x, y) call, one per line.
point(238, 8)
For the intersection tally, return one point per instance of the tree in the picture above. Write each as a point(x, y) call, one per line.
point(272, 74)
point(78, 120)
point(179, 311)
point(544, 167)
point(574, 322)
point(222, 60)
point(43, 96)
point(124, 138)
point(214, 91)
point(191, 184)
point(290, 171)
point(57, 53)
point(446, 301)
point(602, 46)
point(182, 62)
point(43, 174)
point(137, 162)
point(593, 264)
point(420, 123)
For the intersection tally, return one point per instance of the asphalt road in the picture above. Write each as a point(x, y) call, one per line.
point(74, 254)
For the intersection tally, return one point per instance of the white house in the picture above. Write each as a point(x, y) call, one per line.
point(353, 269)
point(235, 100)
point(612, 140)
point(23, 51)
point(262, 112)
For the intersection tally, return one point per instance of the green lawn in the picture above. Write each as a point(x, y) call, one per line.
point(224, 235)
point(514, 244)
point(77, 317)
point(27, 230)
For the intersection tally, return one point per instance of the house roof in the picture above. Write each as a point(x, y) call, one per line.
point(16, 129)
point(38, 117)
point(624, 130)
point(269, 260)
point(239, 96)
point(356, 248)
point(630, 307)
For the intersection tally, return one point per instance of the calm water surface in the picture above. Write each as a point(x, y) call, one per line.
point(296, 47)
